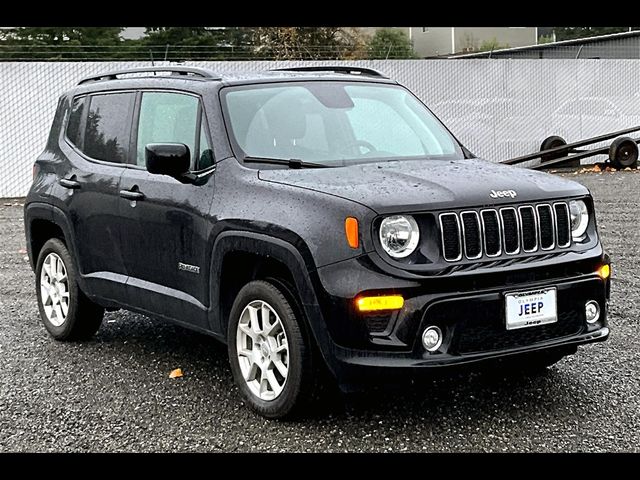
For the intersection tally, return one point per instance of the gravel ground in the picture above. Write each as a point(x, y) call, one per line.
point(114, 394)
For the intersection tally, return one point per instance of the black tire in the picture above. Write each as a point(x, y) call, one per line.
point(548, 143)
point(299, 385)
point(83, 316)
point(623, 153)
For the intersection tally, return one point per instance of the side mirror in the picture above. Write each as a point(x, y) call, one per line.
point(173, 159)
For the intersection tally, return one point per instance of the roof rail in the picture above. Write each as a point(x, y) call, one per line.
point(182, 71)
point(334, 68)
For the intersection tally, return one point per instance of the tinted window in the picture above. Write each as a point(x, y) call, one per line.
point(108, 129)
point(167, 118)
point(73, 127)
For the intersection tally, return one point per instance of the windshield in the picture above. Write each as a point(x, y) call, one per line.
point(334, 123)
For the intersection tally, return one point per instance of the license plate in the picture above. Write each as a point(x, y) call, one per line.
point(528, 309)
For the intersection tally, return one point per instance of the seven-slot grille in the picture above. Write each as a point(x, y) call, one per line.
point(509, 230)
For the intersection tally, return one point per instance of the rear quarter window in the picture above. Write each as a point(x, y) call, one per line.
point(75, 118)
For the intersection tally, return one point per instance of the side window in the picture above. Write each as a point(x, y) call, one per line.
point(167, 118)
point(75, 117)
point(108, 127)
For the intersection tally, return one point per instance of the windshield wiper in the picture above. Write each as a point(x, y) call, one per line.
point(291, 163)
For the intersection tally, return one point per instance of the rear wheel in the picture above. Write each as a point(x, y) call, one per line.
point(66, 312)
point(269, 355)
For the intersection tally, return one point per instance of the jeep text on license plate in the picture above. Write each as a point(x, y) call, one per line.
point(528, 309)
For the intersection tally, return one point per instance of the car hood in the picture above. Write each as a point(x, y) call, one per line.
point(400, 186)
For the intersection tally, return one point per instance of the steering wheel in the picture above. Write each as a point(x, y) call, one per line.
point(361, 143)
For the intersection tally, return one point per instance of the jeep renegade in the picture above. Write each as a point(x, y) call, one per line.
point(317, 217)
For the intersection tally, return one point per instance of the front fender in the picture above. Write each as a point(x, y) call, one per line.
point(287, 254)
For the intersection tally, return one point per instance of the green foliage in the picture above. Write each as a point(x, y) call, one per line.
point(302, 43)
point(196, 43)
point(568, 33)
point(390, 43)
point(202, 43)
point(57, 43)
point(545, 39)
point(493, 44)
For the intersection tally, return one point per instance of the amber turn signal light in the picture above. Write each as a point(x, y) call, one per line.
point(604, 271)
point(351, 230)
point(382, 302)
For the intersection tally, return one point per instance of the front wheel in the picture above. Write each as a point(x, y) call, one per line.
point(269, 355)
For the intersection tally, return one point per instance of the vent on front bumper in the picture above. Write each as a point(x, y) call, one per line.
point(504, 231)
point(475, 337)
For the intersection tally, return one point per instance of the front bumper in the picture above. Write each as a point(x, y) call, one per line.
point(469, 313)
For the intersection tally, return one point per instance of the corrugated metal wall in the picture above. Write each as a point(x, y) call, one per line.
point(498, 108)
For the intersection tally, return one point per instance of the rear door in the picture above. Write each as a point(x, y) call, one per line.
point(167, 227)
point(97, 146)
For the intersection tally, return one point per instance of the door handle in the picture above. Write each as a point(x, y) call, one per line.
point(70, 183)
point(131, 195)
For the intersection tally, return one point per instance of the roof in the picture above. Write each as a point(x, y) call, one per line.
point(551, 45)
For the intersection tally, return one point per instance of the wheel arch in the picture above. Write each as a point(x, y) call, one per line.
point(42, 222)
point(272, 256)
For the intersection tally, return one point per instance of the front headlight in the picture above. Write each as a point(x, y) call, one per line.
point(399, 235)
point(579, 218)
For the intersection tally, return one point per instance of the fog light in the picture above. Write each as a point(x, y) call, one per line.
point(432, 338)
point(592, 311)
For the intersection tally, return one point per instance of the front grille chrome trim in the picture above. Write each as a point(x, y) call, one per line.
point(557, 227)
point(535, 223)
point(504, 238)
point(459, 257)
point(553, 223)
point(480, 233)
point(498, 215)
point(484, 237)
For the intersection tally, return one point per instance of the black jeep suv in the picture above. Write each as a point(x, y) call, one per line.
point(310, 218)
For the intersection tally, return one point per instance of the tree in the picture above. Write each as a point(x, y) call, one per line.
point(491, 45)
point(390, 43)
point(59, 43)
point(198, 43)
point(545, 39)
point(304, 43)
point(568, 33)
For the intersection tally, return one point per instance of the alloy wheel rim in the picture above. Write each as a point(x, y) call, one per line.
point(54, 289)
point(262, 350)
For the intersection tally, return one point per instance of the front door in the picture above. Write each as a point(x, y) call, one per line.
point(97, 146)
point(166, 224)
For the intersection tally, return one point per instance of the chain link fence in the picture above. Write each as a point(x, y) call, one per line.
point(499, 108)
